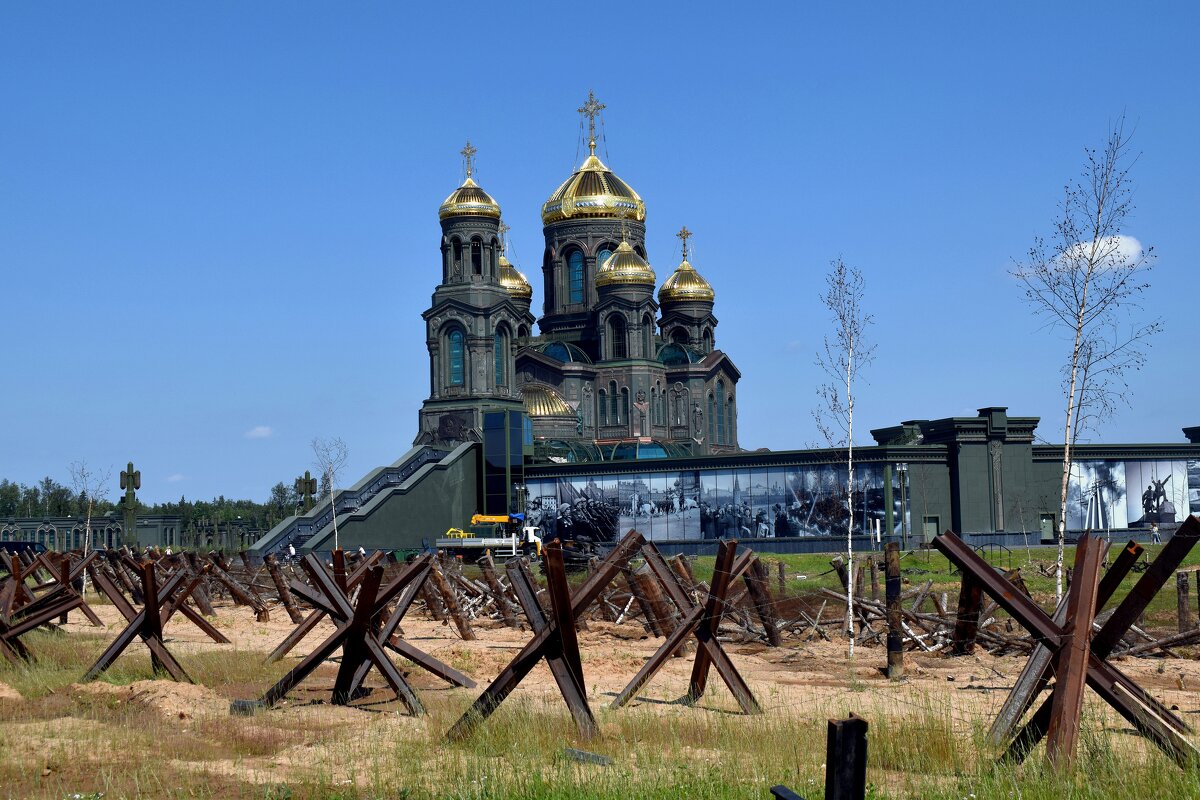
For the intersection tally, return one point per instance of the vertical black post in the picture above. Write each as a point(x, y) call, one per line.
point(846, 759)
point(1185, 610)
point(895, 619)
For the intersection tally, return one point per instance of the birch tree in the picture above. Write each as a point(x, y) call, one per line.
point(91, 486)
point(331, 456)
point(841, 358)
point(1085, 281)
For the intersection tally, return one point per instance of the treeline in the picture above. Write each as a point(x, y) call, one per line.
point(49, 498)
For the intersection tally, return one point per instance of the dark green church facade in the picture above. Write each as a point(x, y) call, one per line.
point(620, 412)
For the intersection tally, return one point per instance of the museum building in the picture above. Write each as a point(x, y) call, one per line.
point(619, 411)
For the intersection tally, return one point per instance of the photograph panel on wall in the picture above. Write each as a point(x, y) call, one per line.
point(633, 501)
point(1193, 472)
point(1096, 496)
point(1157, 492)
point(779, 501)
point(580, 510)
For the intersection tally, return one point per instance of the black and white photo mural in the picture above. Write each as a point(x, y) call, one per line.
point(1107, 495)
point(742, 503)
point(1158, 492)
point(1193, 471)
point(1096, 496)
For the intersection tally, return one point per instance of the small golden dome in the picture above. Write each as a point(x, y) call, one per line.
point(624, 267)
point(469, 200)
point(686, 284)
point(593, 191)
point(514, 280)
point(543, 401)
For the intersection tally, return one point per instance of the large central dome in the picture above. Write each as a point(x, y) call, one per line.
point(593, 191)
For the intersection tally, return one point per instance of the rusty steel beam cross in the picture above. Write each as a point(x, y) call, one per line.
point(555, 640)
point(1113, 686)
point(314, 618)
point(161, 603)
point(362, 634)
point(701, 621)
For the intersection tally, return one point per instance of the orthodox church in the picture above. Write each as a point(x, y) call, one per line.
point(611, 372)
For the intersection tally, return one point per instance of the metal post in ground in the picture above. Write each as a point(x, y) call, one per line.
point(895, 619)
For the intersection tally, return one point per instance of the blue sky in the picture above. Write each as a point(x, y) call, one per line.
point(218, 221)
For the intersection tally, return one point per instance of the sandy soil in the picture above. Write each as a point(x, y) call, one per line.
point(814, 679)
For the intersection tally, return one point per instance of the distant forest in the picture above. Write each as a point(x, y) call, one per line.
point(49, 498)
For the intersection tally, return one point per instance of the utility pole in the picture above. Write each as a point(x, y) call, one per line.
point(131, 480)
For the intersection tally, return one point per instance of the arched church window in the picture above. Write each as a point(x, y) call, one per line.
point(708, 340)
point(619, 341)
point(615, 416)
point(500, 348)
point(729, 418)
point(720, 412)
point(647, 337)
point(680, 336)
point(575, 276)
point(476, 257)
point(602, 407)
point(456, 250)
point(625, 404)
point(457, 357)
point(602, 256)
point(495, 257)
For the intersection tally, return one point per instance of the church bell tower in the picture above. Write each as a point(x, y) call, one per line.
point(474, 321)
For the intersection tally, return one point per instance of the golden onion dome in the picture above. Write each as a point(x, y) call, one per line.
point(514, 281)
point(685, 284)
point(469, 200)
point(543, 401)
point(593, 191)
point(624, 267)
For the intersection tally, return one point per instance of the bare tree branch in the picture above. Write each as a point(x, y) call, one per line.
point(1086, 280)
point(841, 358)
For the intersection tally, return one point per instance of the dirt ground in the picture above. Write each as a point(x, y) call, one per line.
point(813, 679)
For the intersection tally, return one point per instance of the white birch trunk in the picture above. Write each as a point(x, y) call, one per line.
point(850, 494)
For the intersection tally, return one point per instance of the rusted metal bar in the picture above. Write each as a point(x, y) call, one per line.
point(314, 618)
point(895, 619)
point(846, 759)
point(764, 607)
point(488, 567)
point(643, 603)
point(239, 592)
point(702, 622)
point(539, 645)
point(1105, 679)
point(451, 600)
point(1070, 667)
point(281, 588)
point(564, 619)
point(966, 624)
point(1184, 607)
point(146, 624)
point(1036, 674)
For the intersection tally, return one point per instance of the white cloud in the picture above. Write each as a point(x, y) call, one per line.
point(1115, 249)
point(259, 432)
point(175, 477)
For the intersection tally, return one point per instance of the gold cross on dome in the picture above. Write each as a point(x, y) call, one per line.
point(591, 109)
point(683, 235)
point(468, 153)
